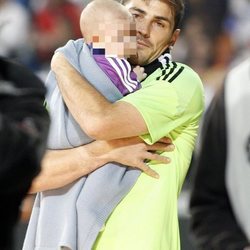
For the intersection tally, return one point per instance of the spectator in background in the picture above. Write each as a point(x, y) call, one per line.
point(14, 30)
point(25, 3)
point(231, 44)
point(238, 24)
point(220, 201)
point(204, 44)
point(53, 25)
point(24, 124)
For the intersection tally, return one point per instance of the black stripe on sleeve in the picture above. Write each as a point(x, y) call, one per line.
point(176, 74)
point(171, 71)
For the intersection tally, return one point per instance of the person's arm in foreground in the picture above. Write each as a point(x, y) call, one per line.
point(61, 167)
point(99, 118)
point(212, 220)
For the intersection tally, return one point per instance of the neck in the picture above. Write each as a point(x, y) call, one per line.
point(160, 62)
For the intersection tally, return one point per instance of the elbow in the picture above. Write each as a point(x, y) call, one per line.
point(96, 129)
point(98, 126)
point(93, 132)
point(90, 124)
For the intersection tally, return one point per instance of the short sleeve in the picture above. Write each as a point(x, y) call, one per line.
point(167, 106)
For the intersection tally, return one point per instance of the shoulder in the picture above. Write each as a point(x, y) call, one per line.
point(186, 73)
point(185, 84)
point(175, 72)
point(176, 75)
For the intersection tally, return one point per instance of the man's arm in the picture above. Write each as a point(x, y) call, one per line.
point(99, 118)
point(212, 220)
point(61, 167)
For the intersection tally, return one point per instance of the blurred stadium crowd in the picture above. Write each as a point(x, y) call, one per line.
point(215, 35)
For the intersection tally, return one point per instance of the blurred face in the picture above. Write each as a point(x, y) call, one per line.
point(118, 38)
point(154, 25)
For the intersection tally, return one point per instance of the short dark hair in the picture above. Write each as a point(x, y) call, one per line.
point(177, 7)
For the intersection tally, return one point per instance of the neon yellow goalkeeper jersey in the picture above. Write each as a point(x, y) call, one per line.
point(171, 102)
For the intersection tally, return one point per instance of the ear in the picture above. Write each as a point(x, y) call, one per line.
point(175, 36)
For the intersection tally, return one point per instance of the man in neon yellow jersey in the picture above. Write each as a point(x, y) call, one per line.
point(170, 103)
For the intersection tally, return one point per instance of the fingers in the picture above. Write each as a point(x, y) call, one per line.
point(152, 156)
point(165, 140)
point(137, 67)
point(158, 158)
point(144, 75)
point(142, 69)
point(141, 154)
point(149, 171)
point(161, 147)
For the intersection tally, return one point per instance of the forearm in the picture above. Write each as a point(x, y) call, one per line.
point(82, 99)
point(61, 167)
point(94, 113)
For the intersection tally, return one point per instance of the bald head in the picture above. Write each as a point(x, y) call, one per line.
point(100, 12)
point(108, 26)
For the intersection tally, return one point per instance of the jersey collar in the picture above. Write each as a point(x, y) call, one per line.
point(160, 62)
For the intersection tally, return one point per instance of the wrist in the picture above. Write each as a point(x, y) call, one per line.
point(89, 160)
